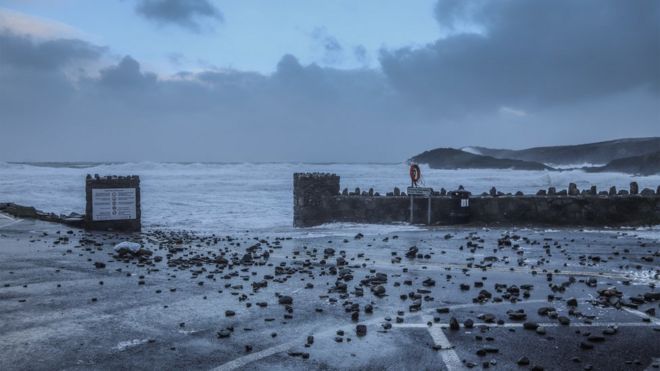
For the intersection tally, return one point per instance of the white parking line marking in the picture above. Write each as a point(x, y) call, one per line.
point(654, 361)
point(6, 216)
point(435, 331)
point(548, 324)
point(447, 352)
point(654, 320)
point(242, 361)
point(11, 220)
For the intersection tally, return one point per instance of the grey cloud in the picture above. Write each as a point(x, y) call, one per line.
point(332, 48)
point(21, 51)
point(300, 112)
point(421, 99)
point(126, 74)
point(532, 54)
point(184, 13)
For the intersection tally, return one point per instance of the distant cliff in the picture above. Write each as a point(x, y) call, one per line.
point(450, 158)
point(647, 164)
point(591, 153)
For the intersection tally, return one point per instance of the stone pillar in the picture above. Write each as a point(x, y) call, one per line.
point(573, 190)
point(311, 192)
point(634, 188)
point(113, 203)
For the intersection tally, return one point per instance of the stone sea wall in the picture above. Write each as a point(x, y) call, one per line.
point(112, 204)
point(317, 200)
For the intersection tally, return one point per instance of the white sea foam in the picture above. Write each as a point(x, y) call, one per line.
point(573, 166)
point(472, 150)
point(123, 345)
point(220, 198)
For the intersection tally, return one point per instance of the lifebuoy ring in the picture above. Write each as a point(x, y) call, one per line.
point(415, 173)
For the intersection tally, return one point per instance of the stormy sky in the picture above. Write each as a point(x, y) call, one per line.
point(320, 81)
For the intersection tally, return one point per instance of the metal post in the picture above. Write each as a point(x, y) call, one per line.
point(411, 209)
point(429, 214)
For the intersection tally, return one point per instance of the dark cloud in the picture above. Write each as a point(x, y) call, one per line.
point(531, 54)
point(184, 13)
point(21, 51)
point(299, 112)
point(537, 75)
point(126, 74)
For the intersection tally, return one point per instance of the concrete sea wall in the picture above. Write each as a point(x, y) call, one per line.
point(317, 200)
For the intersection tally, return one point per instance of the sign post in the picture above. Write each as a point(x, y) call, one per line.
point(424, 192)
point(113, 203)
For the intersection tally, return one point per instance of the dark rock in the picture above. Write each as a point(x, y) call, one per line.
point(285, 300)
point(530, 325)
point(429, 282)
point(586, 346)
point(523, 361)
point(361, 330)
point(453, 324)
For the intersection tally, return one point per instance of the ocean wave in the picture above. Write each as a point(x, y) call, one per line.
point(232, 197)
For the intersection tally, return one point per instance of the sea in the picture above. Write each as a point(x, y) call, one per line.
point(230, 198)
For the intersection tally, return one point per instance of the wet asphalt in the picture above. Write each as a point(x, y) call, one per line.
point(68, 300)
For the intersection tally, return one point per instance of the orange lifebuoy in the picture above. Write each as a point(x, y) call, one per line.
point(415, 173)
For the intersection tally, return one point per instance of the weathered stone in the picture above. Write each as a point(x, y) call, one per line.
point(647, 192)
point(634, 188)
point(523, 361)
point(530, 325)
point(564, 320)
point(379, 290)
point(586, 346)
point(453, 324)
point(429, 282)
point(285, 300)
